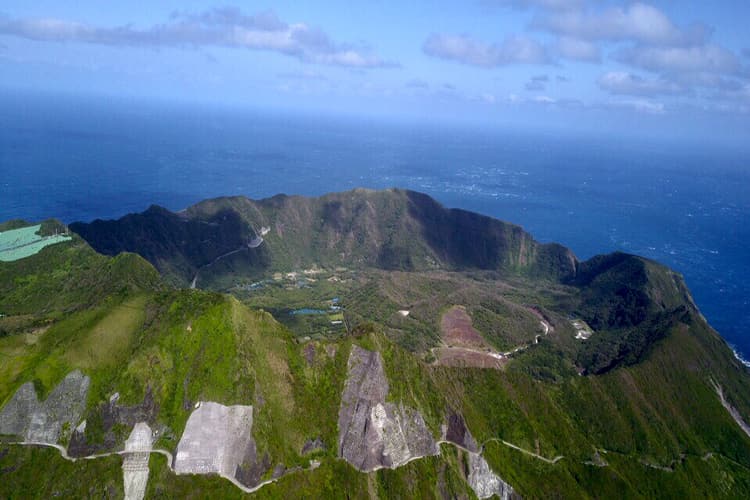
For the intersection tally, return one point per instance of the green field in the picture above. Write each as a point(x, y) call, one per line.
point(17, 244)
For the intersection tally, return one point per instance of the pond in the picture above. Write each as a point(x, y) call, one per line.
point(306, 311)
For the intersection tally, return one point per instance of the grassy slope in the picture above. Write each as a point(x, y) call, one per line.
point(35, 472)
point(194, 345)
point(623, 411)
point(495, 305)
point(69, 307)
point(657, 412)
point(187, 346)
point(43, 288)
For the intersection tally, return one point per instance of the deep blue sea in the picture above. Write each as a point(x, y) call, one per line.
point(685, 205)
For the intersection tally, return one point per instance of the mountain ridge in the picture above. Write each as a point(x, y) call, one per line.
point(395, 230)
point(390, 229)
point(606, 380)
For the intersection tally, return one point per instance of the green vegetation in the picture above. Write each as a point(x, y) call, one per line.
point(43, 288)
point(394, 230)
point(314, 290)
point(431, 477)
point(632, 411)
point(36, 472)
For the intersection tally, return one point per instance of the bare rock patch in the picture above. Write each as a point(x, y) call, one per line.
point(374, 433)
point(46, 422)
point(486, 483)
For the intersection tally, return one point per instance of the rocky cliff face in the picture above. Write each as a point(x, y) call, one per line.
point(456, 432)
point(45, 422)
point(391, 229)
point(175, 244)
point(373, 433)
point(486, 483)
point(113, 413)
point(482, 480)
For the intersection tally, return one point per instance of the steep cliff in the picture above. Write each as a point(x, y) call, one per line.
point(391, 229)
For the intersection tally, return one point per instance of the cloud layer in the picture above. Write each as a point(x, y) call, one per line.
point(644, 56)
point(618, 82)
point(679, 60)
point(225, 27)
point(674, 60)
point(466, 50)
point(637, 22)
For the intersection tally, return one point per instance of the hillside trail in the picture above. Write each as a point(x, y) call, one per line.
point(64, 454)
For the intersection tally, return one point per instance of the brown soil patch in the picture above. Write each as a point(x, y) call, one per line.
point(456, 356)
point(309, 353)
point(457, 330)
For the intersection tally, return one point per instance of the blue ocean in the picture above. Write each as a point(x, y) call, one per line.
point(685, 205)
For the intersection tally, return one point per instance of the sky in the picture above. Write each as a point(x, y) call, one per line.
point(676, 68)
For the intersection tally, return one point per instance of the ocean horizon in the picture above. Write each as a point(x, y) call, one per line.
point(687, 207)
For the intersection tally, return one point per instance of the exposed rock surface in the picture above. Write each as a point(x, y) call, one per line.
point(278, 471)
point(135, 462)
point(114, 413)
point(215, 440)
point(312, 445)
point(373, 433)
point(252, 469)
point(457, 433)
point(392, 229)
point(486, 483)
point(309, 353)
point(44, 422)
point(731, 409)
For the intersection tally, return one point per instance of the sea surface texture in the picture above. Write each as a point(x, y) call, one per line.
point(685, 205)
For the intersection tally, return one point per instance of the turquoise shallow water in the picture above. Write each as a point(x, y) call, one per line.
point(19, 243)
point(686, 205)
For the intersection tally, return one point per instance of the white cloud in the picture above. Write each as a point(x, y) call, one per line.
point(227, 27)
point(640, 105)
point(705, 58)
point(543, 99)
point(638, 22)
point(463, 49)
point(544, 4)
point(577, 49)
point(619, 82)
point(642, 36)
point(308, 75)
point(488, 98)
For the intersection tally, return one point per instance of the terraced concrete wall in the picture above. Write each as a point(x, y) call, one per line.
point(215, 440)
point(135, 462)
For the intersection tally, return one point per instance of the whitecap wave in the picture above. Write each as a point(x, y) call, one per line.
point(738, 355)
